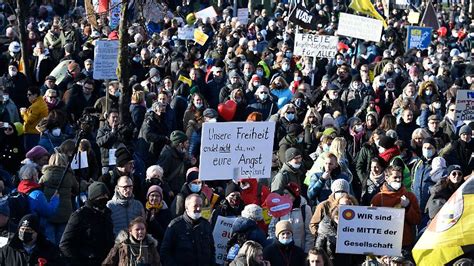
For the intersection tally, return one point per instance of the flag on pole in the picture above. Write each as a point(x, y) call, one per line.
point(429, 18)
point(451, 233)
point(367, 8)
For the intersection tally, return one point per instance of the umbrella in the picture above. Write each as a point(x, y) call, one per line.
point(451, 233)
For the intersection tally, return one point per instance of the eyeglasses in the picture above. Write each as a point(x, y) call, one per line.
point(126, 187)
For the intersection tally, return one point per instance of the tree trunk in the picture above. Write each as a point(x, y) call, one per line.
point(123, 70)
point(22, 14)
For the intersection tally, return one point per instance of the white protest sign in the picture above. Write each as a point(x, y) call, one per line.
point(465, 106)
point(359, 27)
point(3, 241)
point(186, 33)
point(209, 12)
point(105, 59)
point(80, 162)
point(221, 235)
point(370, 230)
point(236, 150)
point(315, 45)
point(112, 158)
point(243, 15)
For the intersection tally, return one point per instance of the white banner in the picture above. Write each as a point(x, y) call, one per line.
point(105, 59)
point(465, 106)
point(370, 230)
point(234, 150)
point(243, 15)
point(315, 45)
point(186, 33)
point(221, 235)
point(359, 27)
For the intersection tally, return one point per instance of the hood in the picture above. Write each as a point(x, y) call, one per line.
point(26, 186)
point(242, 224)
point(390, 153)
point(54, 172)
point(123, 237)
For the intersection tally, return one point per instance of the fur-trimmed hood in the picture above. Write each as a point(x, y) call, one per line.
point(123, 238)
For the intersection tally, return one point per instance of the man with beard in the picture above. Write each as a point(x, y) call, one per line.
point(88, 236)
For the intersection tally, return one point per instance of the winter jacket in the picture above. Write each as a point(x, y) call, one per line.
point(301, 234)
point(33, 115)
point(88, 236)
point(194, 133)
point(49, 141)
point(284, 255)
point(286, 175)
point(212, 91)
point(104, 104)
point(16, 87)
point(250, 229)
point(188, 243)
point(389, 198)
point(127, 250)
point(362, 164)
point(389, 154)
point(320, 189)
point(404, 131)
point(460, 153)
point(327, 236)
point(107, 140)
point(124, 211)
point(422, 181)
point(224, 209)
point(266, 108)
point(11, 151)
point(11, 110)
point(284, 96)
point(157, 221)
point(137, 111)
point(69, 187)
point(15, 254)
point(440, 194)
point(174, 166)
point(322, 209)
point(152, 138)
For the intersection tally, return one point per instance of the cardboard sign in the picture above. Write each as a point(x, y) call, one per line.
point(359, 27)
point(186, 33)
point(221, 234)
point(200, 37)
point(105, 59)
point(370, 230)
point(465, 106)
point(278, 205)
point(209, 12)
point(236, 150)
point(303, 18)
point(315, 45)
point(243, 15)
point(80, 162)
point(418, 37)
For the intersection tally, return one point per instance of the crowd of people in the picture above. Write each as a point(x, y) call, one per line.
point(84, 184)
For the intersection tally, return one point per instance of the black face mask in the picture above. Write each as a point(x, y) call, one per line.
point(100, 204)
point(153, 181)
point(25, 237)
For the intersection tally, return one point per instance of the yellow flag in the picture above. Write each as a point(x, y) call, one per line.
point(185, 80)
point(367, 8)
point(200, 37)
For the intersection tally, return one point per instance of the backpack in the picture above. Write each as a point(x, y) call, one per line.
point(19, 205)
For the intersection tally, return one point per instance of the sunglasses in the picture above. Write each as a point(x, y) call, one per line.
point(456, 173)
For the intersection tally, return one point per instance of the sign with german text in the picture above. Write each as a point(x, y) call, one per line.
point(315, 45)
point(359, 27)
point(234, 150)
point(370, 230)
point(303, 18)
point(221, 234)
point(105, 59)
point(465, 106)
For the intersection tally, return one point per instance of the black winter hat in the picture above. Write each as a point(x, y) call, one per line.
point(430, 140)
point(31, 221)
point(97, 189)
point(386, 142)
point(231, 187)
point(292, 153)
point(294, 129)
point(123, 156)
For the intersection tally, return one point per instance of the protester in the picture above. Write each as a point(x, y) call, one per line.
point(284, 251)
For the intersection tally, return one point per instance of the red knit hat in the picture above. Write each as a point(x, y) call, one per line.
point(255, 78)
point(294, 189)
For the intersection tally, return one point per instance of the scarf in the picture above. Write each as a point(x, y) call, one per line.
point(156, 207)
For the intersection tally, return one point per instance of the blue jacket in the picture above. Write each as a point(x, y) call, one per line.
point(284, 96)
point(422, 182)
point(251, 229)
point(320, 189)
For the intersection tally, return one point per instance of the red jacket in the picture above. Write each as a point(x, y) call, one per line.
point(388, 198)
point(389, 154)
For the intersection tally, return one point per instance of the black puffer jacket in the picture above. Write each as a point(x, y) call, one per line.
point(14, 253)
point(152, 138)
point(188, 243)
point(88, 236)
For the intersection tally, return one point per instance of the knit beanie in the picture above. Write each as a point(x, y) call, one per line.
point(4, 207)
point(465, 130)
point(454, 167)
point(178, 137)
point(339, 185)
point(253, 212)
point(231, 187)
point(36, 153)
point(192, 174)
point(291, 153)
point(154, 188)
point(281, 226)
point(386, 142)
point(31, 221)
point(97, 189)
point(294, 129)
point(122, 156)
point(294, 189)
point(430, 140)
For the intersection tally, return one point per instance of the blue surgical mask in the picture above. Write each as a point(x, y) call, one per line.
point(428, 153)
point(195, 188)
point(285, 241)
point(259, 73)
point(290, 117)
point(198, 105)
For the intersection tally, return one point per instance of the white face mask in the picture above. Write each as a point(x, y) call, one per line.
point(263, 96)
point(194, 215)
point(56, 132)
point(12, 73)
point(381, 149)
point(295, 165)
point(6, 97)
point(333, 97)
point(396, 185)
point(437, 105)
point(358, 128)
point(212, 120)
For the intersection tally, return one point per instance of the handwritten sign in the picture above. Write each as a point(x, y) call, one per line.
point(368, 230)
point(418, 37)
point(359, 27)
point(315, 45)
point(221, 235)
point(236, 150)
point(105, 59)
point(243, 15)
point(209, 12)
point(186, 33)
point(200, 37)
point(465, 106)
